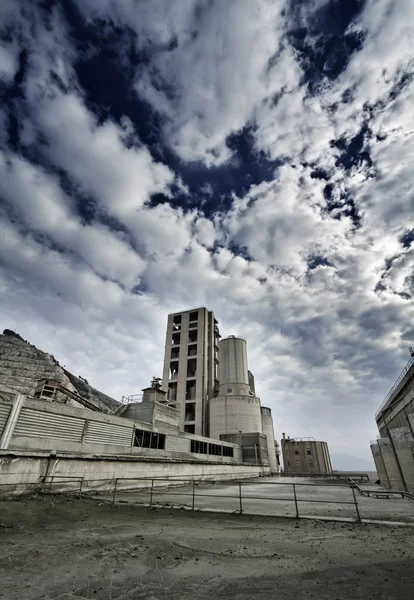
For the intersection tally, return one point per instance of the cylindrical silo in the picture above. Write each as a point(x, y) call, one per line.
point(267, 428)
point(233, 361)
point(238, 413)
point(236, 409)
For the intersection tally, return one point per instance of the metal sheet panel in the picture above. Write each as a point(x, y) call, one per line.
point(4, 415)
point(106, 433)
point(40, 424)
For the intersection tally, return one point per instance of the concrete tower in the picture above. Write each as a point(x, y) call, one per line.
point(190, 373)
point(267, 428)
point(236, 409)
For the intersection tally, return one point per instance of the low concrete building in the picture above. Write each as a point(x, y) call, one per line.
point(393, 451)
point(305, 456)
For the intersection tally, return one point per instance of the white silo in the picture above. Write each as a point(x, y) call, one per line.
point(235, 409)
point(267, 428)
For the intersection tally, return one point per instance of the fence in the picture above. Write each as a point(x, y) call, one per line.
point(145, 490)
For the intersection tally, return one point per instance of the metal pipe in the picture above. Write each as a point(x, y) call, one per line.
point(80, 489)
point(296, 500)
point(240, 498)
point(356, 505)
point(152, 489)
point(193, 495)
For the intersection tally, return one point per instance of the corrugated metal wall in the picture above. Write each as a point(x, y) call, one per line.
point(4, 415)
point(105, 433)
point(35, 423)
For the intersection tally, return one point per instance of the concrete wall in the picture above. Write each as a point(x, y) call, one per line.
point(43, 425)
point(379, 464)
point(390, 464)
point(19, 471)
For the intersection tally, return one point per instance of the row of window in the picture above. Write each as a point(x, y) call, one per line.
point(191, 368)
point(149, 439)
point(198, 447)
point(191, 351)
point(308, 452)
point(156, 441)
point(192, 337)
point(193, 317)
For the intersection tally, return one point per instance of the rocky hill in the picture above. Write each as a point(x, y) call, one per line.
point(22, 365)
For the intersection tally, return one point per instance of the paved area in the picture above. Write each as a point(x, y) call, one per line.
point(67, 549)
point(276, 498)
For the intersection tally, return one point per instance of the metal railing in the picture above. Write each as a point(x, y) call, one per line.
point(145, 491)
point(396, 384)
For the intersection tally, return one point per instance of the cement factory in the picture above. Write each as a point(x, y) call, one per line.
point(201, 419)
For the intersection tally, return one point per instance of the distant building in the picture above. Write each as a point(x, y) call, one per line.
point(191, 366)
point(393, 451)
point(304, 456)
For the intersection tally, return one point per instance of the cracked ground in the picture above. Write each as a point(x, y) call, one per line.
point(61, 548)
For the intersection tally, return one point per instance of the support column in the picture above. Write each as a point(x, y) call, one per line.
point(12, 421)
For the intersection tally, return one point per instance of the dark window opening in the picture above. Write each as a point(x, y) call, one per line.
point(199, 447)
point(297, 452)
point(176, 338)
point(149, 439)
point(189, 428)
point(309, 452)
point(192, 336)
point(172, 391)
point(190, 411)
point(177, 320)
point(190, 390)
point(229, 390)
point(194, 316)
point(174, 369)
point(175, 352)
point(192, 350)
point(191, 367)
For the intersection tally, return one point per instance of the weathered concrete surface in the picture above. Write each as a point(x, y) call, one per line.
point(267, 497)
point(70, 549)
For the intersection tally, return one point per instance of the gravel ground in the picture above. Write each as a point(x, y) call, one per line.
point(62, 548)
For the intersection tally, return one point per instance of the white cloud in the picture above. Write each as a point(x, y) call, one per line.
point(325, 342)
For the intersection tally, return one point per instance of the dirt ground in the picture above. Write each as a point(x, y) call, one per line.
point(62, 548)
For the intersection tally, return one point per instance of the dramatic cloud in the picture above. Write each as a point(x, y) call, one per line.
point(252, 156)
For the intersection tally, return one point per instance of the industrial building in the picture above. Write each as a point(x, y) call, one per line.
point(393, 451)
point(305, 456)
point(190, 373)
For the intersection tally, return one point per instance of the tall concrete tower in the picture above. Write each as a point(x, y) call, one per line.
point(236, 409)
point(190, 373)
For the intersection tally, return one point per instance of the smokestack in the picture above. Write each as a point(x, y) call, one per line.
point(284, 436)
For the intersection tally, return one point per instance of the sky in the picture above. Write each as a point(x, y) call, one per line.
point(251, 156)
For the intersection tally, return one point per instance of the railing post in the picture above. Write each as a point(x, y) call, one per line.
point(115, 486)
point(80, 488)
point(193, 494)
point(240, 498)
point(51, 483)
point(296, 500)
point(356, 505)
point(152, 490)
